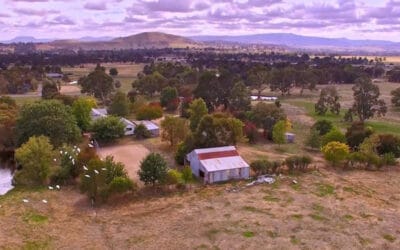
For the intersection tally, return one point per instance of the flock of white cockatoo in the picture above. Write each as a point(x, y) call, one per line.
point(75, 151)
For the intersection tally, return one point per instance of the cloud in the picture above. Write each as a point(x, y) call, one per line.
point(34, 12)
point(62, 20)
point(95, 6)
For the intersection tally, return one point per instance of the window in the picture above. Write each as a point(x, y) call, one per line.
point(201, 173)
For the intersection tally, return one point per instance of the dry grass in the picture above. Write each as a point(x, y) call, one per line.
point(212, 218)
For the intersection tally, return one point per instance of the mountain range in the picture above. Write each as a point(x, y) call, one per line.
point(162, 40)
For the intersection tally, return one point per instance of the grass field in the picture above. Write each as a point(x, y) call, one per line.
point(127, 72)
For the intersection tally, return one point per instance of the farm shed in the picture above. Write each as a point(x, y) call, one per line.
point(151, 127)
point(218, 164)
point(98, 113)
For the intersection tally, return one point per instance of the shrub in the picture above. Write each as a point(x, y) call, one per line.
point(149, 112)
point(107, 129)
point(356, 134)
point(335, 152)
point(388, 143)
point(323, 126)
point(388, 159)
point(314, 139)
point(121, 185)
point(264, 166)
point(141, 132)
point(363, 160)
point(333, 135)
point(299, 163)
point(278, 132)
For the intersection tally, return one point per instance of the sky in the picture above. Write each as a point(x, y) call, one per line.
point(61, 19)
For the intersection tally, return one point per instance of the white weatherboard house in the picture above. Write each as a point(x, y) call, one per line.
point(218, 164)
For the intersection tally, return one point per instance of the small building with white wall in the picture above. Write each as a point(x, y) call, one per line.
point(99, 113)
point(218, 164)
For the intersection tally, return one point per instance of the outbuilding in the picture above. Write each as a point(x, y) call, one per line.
point(151, 127)
point(218, 164)
point(129, 126)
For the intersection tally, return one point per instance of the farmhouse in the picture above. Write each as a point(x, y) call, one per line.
point(218, 164)
point(98, 113)
point(151, 127)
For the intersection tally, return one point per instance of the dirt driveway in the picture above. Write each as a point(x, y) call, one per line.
point(130, 155)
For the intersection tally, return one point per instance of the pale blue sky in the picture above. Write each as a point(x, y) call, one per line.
point(357, 19)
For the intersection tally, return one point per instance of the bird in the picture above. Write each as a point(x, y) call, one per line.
point(44, 201)
point(87, 176)
point(25, 200)
point(97, 172)
point(90, 145)
point(51, 188)
point(54, 159)
point(78, 149)
point(58, 187)
point(85, 168)
point(104, 169)
point(61, 152)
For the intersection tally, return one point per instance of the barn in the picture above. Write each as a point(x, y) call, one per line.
point(218, 164)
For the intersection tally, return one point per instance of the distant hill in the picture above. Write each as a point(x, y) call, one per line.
point(305, 42)
point(26, 39)
point(141, 40)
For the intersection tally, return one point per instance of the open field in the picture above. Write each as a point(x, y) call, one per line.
point(127, 72)
point(327, 209)
point(129, 154)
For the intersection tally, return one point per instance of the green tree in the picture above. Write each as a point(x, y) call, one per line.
point(278, 132)
point(102, 178)
point(259, 78)
point(81, 109)
point(169, 98)
point(97, 83)
point(218, 130)
point(395, 97)
point(8, 117)
point(239, 98)
point(328, 100)
point(49, 90)
point(265, 115)
point(149, 112)
point(50, 118)
point(150, 84)
point(197, 109)
point(323, 126)
point(36, 158)
point(153, 169)
point(120, 105)
point(107, 129)
point(335, 152)
point(174, 129)
point(366, 103)
point(113, 72)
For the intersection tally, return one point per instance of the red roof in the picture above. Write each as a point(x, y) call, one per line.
point(221, 154)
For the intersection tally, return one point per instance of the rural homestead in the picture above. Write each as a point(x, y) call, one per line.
point(200, 125)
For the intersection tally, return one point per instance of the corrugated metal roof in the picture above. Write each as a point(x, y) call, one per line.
point(225, 163)
point(217, 149)
point(126, 122)
point(221, 154)
point(99, 112)
point(148, 124)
